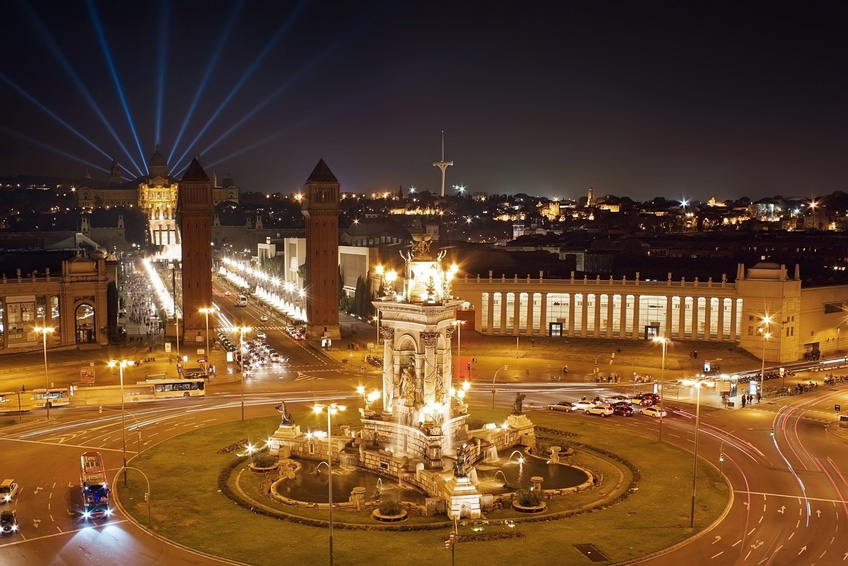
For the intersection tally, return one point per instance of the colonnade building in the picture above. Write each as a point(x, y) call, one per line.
point(764, 311)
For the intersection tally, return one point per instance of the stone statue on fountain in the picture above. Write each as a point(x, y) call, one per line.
point(286, 417)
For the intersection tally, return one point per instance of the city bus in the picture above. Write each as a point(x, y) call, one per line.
point(95, 488)
point(15, 401)
point(165, 388)
point(56, 397)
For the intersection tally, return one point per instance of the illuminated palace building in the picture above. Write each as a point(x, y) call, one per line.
point(156, 195)
point(765, 310)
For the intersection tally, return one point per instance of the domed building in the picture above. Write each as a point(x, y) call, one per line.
point(156, 195)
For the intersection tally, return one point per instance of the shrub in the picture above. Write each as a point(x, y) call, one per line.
point(264, 460)
point(528, 498)
point(390, 508)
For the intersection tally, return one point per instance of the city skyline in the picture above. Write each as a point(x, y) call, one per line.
point(639, 101)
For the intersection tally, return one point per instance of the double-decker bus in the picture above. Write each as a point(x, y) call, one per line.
point(95, 488)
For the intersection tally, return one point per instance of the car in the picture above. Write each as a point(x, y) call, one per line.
point(8, 490)
point(8, 522)
point(648, 399)
point(583, 404)
point(567, 406)
point(602, 410)
point(264, 318)
point(623, 409)
point(613, 399)
point(653, 411)
point(227, 293)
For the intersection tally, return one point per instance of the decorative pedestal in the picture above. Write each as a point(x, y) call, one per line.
point(524, 427)
point(462, 498)
point(555, 450)
point(280, 442)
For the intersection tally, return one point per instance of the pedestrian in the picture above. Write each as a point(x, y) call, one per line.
point(532, 342)
point(750, 399)
point(23, 388)
point(744, 398)
point(759, 396)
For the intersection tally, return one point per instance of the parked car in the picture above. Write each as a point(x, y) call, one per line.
point(653, 411)
point(567, 406)
point(8, 490)
point(623, 409)
point(582, 405)
point(602, 410)
point(8, 522)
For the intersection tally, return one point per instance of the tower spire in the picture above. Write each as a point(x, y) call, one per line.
point(443, 165)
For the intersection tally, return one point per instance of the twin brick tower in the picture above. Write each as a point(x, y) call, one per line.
point(321, 209)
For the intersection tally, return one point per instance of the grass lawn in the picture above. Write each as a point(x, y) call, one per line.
point(188, 508)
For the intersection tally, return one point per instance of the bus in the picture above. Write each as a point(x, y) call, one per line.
point(165, 388)
point(95, 488)
point(15, 401)
point(56, 397)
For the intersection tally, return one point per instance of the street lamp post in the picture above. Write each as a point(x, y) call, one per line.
point(121, 365)
point(766, 335)
point(45, 330)
point(664, 342)
point(506, 367)
point(242, 330)
point(695, 464)
point(458, 324)
point(206, 311)
point(332, 409)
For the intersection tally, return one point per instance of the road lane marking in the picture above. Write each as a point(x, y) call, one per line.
point(789, 538)
point(751, 531)
point(717, 555)
point(834, 501)
point(738, 541)
point(63, 445)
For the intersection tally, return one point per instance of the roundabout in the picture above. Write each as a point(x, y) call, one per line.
point(210, 499)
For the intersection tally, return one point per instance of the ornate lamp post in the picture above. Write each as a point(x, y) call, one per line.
point(121, 365)
point(331, 409)
point(44, 331)
point(664, 342)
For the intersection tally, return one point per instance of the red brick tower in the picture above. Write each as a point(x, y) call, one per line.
point(194, 208)
point(321, 209)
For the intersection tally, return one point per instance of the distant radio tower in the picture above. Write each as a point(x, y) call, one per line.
point(443, 165)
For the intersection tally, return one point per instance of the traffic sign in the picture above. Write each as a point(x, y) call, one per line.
point(837, 408)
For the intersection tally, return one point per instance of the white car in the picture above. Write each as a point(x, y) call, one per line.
point(8, 490)
point(613, 399)
point(582, 405)
point(566, 406)
point(653, 411)
point(602, 410)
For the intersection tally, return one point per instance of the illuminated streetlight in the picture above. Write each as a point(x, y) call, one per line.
point(121, 365)
point(695, 464)
point(664, 342)
point(332, 409)
point(458, 324)
point(506, 367)
point(241, 331)
point(44, 330)
point(766, 320)
point(206, 311)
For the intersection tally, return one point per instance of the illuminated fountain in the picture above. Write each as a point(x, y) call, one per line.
point(420, 437)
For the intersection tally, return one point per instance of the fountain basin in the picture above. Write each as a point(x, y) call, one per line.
point(309, 485)
point(514, 469)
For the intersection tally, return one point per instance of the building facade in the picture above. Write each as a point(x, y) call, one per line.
point(765, 311)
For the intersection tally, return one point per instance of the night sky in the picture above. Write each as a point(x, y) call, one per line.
point(638, 99)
